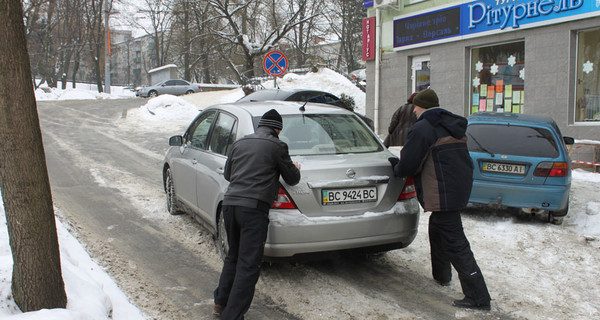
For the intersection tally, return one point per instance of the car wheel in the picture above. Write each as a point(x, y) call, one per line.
point(552, 215)
point(153, 94)
point(222, 243)
point(189, 92)
point(172, 206)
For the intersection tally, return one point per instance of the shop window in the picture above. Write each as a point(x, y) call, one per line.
point(498, 78)
point(587, 100)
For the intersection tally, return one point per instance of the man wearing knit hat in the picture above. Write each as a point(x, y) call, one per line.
point(253, 169)
point(436, 154)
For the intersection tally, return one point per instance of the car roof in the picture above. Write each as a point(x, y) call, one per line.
point(283, 107)
point(504, 117)
point(276, 94)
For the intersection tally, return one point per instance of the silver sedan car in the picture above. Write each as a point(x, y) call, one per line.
point(174, 86)
point(347, 199)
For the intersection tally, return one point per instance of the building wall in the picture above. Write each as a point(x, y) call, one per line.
point(550, 73)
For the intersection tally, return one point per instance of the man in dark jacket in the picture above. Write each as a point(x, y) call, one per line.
point(436, 155)
point(402, 121)
point(253, 168)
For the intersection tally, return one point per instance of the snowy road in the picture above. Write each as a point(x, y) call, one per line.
point(106, 183)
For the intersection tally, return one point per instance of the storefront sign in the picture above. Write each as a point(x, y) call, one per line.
point(368, 47)
point(427, 27)
point(367, 3)
point(501, 14)
point(479, 18)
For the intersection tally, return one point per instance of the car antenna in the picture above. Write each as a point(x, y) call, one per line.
point(302, 108)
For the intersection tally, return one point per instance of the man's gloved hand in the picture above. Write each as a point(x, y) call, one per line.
point(393, 161)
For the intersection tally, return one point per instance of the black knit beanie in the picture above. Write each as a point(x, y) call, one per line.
point(272, 119)
point(426, 99)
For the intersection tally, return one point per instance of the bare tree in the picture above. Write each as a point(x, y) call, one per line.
point(345, 19)
point(192, 44)
point(302, 36)
point(159, 14)
point(41, 25)
point(255, 27)
point(36, 279)
point(95, 31)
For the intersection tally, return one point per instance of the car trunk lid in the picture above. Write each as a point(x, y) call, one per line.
point(345, 185)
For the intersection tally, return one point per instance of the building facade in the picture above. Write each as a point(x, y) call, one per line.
point(131, 59)
point(523, 56)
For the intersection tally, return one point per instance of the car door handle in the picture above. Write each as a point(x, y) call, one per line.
point(220, 170)
point(194, 161)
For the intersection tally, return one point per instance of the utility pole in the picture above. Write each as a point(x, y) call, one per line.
point(107, 47)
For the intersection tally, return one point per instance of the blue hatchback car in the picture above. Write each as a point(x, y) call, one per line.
point(520, 161)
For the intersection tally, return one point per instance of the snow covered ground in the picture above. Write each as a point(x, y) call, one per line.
point(534, 270)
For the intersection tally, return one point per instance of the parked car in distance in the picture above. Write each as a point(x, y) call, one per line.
point(302, 95)
point(348, 197)
point(359, 75)
point(521, 161)
point(174, 86)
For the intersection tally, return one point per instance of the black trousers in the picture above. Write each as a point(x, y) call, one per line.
point(246, 233)
point(449, 246)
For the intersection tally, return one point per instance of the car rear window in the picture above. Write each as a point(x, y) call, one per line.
point(512, 140)
point(317, 134)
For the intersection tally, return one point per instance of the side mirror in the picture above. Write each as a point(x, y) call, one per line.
point(568, 140)
point(176, 141)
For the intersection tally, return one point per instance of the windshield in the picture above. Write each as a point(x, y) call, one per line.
point(512, 140)
point(317, 134)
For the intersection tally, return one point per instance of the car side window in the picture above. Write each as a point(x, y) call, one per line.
point(219, 140)
point(170, 83)
point(198, 134)
point(180, 83)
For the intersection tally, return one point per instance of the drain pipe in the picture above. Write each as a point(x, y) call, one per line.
point(377, 58)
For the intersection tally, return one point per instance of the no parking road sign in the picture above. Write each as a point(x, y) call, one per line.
point(275, 63)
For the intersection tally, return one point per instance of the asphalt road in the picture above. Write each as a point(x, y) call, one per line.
point(165, 274)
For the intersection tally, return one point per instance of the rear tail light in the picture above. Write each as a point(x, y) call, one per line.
point(409, 190)
point(552, 169)
point(283, 201)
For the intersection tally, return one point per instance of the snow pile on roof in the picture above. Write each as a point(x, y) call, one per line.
point(325, 80)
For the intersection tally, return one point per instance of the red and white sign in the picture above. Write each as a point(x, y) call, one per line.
point(368, 47)
point(275, 63)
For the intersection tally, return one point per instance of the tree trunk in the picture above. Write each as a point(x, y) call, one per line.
point(36, 279)
point(75, 70)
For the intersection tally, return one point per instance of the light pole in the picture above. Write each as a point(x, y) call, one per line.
point(107, 47)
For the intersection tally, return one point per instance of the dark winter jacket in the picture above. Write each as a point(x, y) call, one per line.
point(402, 121)
point(253, 168)
point(436, 155)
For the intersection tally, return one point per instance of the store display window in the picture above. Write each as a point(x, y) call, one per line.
point(587, 99)
point(498, 78)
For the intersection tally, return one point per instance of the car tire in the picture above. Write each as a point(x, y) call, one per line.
point(153, 94)
point(172, 205)
point(556, 217)
point(222, 243)
point(189, 92)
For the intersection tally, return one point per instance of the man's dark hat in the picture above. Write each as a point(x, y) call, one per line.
point(426, 99)
point(272, 119)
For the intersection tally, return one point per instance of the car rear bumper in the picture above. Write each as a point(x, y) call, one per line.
point(292, 233)
point(542, 197)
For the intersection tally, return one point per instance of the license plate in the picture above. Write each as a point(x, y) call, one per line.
point(346, 196)
point(504, 168)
